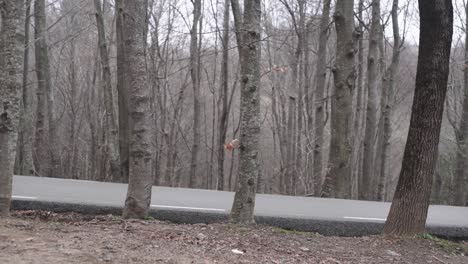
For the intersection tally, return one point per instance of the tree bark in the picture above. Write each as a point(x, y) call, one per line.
point(301, 46)
point(321, 68)
point(338, 178)
point(223, 109)
point(111, 131)
point(366, 190)
point(122, 90)
point(249, 167)
point(44, 152)
point(24, 158)
point(290, 147)
point(11, 70)
point(195, 75)
point(408, 212)
point(388, 93)
point(360, 103)
point(70, 169)
point(459, 183)
point(138, 198)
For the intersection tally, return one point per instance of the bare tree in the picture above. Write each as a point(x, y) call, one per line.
point(112, 135)
point(24, 158)
point(360, 103)
point(223, 102)
point(138, 198)
point(249, 167)
point(459, 183)
point(320, 84)
point(122, 90)
point(338, 178)
point(42, 150)
point(366, 188)
point(410, 204)
point(388, 94)
point(11, 70)
point(195, 74)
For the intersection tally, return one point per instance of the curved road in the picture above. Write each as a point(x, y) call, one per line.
point(326, 216)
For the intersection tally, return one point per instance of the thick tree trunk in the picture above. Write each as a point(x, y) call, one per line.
point(459, 183)
point(249, 167)
point(11, 70)
point(410, 204)
point(338, 178)
point(223, 118)
point(112, 135)
point(320, 88)
point(388, 93)
point(366, 190)
point(195, 75)
point(122, 90)
point(138, 198)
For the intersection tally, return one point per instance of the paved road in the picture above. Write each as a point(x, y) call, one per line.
point(326, 216)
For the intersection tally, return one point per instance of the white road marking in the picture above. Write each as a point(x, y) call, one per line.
point(183, 207)
point(23, 197)
point(365, 218)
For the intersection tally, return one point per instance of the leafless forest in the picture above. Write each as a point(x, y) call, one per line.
point(313, 114)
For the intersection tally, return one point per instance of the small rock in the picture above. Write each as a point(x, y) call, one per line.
point(236, 251)
point(29, 239)
point(392, 253)
point(304, 249)
point(332, 260)
point(201, 236)
point(107, 258)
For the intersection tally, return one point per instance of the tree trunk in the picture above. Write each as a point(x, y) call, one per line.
point(301, 46)
point(111, 131)
point(249, 167)
point(290, 147)
point(70, 168)
point(24, 158)
point(338, 179)
point(459, 186)
point(320, 100)
point(360, 103)
point(408, 212)
point(122, 90)
point(195, 74)
point(366, 189)
point(45, 156)
point(388, 92)
point(138, 198)
point(237, 15)
point(223, 109)
point(11, 70)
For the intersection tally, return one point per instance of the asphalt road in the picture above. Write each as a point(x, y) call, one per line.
point(326, 216)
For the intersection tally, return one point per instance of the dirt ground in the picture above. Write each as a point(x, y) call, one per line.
point(44, 237)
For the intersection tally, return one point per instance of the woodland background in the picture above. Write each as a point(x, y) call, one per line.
point(70, 117)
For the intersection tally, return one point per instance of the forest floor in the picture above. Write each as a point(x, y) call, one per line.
point(45, 237)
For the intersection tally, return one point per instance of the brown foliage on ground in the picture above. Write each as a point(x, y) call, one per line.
point(44, 237)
